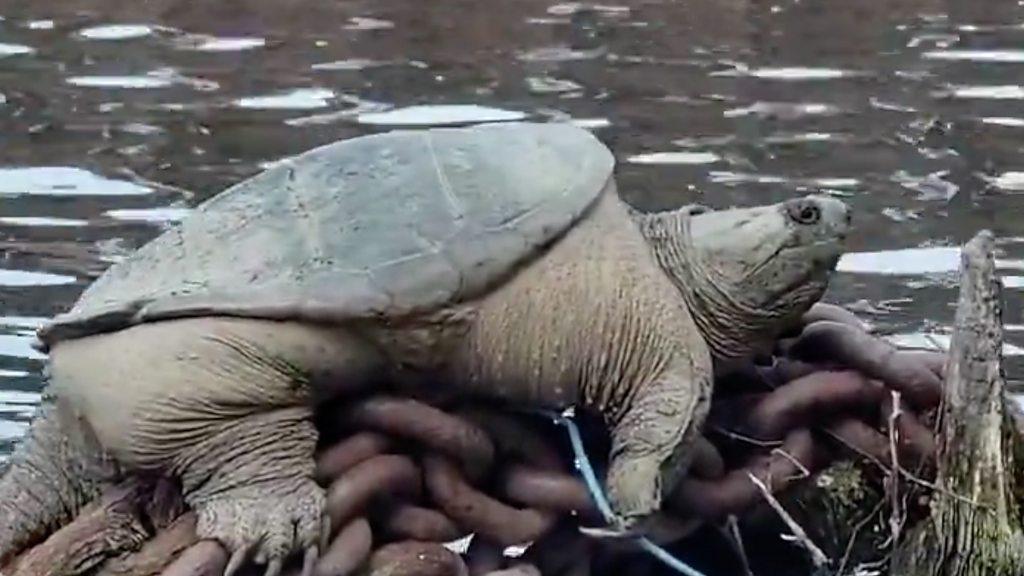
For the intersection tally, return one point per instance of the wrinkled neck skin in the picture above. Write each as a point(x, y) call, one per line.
point(734, 330)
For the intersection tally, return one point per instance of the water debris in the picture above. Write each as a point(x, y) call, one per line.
point(63, 181)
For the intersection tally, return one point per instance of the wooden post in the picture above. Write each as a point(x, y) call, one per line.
point(975, 523)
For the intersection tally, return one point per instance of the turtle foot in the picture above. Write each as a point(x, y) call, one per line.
point(266, 525)
point(609, 532)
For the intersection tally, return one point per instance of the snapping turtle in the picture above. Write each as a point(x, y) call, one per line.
point(497, 259)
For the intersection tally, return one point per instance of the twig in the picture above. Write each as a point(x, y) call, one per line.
point(732, 435)
point(896, 517)
point(804, 472)
point(818, 557)
point(732, 533)
point(853, 536)
point(910, 476)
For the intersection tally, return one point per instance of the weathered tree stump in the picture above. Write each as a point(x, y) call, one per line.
point(975, 523)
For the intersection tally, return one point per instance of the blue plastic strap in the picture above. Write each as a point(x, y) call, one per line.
point(590, 479)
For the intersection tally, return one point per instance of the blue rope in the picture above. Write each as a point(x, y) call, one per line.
point(594, 486)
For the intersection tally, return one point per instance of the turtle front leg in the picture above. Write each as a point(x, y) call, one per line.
point(252, 486)
point(54, 472)
point(651, 443)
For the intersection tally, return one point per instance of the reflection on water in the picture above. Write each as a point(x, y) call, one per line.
point(118, 117)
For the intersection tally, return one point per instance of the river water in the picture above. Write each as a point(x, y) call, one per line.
point(116, 117)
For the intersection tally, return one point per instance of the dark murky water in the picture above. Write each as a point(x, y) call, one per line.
point(116, 117)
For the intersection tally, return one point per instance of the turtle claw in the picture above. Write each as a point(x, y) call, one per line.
point(238, 558)
point(273, 568)
point(325, 532)
point(617, 531)
point(309, 561)
point(262, 526)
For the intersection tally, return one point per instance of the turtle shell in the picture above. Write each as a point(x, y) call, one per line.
point(381, 225)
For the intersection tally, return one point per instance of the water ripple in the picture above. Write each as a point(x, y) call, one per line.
point(674, 158)
point(15, 49)
point(117, 32)
point(1003, 56)
point(63, 181)
point(438, 115)
point(203, 43)
point(41, 221)
point(789, 73)
point(15, 278)
point(297, 99)
point(992, 92)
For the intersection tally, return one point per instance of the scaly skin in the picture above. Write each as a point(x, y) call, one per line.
point(55, 471)
point(623, 315)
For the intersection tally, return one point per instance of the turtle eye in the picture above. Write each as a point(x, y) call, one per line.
point(806, 213)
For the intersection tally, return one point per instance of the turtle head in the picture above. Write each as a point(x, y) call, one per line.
point(747, 274)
